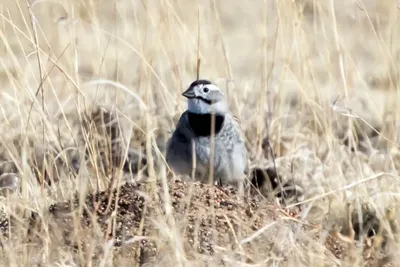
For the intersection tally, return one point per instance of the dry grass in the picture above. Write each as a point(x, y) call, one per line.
point(317, 79)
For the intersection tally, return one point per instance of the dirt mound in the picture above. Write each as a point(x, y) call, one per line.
point(207, 217)
point(204, 222)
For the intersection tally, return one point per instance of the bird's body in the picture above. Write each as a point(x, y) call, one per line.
point(192, 138)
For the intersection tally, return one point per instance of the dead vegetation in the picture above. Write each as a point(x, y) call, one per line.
point(131, 221)
point(90, 92)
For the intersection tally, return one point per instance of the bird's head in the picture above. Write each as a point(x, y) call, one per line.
point(205, 97)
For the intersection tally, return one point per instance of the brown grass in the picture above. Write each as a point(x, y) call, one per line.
point(317, 79)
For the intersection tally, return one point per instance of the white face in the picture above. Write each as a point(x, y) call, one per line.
point(206, 98)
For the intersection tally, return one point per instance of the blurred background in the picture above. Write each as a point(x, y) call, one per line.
point(256, 51)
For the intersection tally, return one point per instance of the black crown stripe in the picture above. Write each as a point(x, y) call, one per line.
point(198, 82)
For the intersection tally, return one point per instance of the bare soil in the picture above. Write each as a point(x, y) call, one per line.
point(216, 223)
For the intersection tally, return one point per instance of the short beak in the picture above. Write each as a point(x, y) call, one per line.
point(189, 93)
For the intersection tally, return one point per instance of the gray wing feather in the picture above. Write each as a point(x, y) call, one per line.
point(179, 147)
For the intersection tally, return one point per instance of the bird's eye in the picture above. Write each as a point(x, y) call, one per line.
point(206, 90)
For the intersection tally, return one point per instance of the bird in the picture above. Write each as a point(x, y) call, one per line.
point(192, 138)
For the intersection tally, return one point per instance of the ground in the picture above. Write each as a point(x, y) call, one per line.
point(131, 226)
point(215, 224)
point(313, 83)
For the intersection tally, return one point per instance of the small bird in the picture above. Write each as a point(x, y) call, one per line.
point(205, 100)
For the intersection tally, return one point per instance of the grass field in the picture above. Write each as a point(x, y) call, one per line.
point(317, 80)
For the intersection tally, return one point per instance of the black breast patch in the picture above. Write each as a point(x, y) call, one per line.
point(201, 123)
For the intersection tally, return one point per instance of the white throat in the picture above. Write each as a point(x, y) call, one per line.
point(200, 107)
